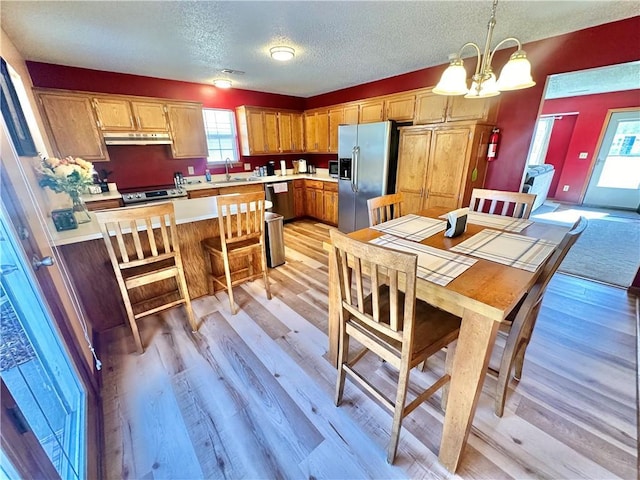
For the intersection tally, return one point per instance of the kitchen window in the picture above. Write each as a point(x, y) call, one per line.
point(222, 140)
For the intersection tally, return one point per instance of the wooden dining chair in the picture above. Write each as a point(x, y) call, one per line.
point(142, 243)
point(385, 207)
point(240, 243)
point(520, 323)
point(388, 321)
point(498, 202)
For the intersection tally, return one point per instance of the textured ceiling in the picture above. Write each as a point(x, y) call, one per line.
point(338, 44)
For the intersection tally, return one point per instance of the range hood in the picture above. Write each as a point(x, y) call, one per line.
point(136, 138)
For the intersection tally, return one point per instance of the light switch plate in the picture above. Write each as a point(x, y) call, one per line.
point(190, 170)
point(583, 155)
point(247, 167)
point(565, 188)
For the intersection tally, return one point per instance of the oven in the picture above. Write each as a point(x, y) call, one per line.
point(132, 197)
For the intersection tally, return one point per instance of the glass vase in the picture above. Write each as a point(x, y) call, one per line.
point(79, 208)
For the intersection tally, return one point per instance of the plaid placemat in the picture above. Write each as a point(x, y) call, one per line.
point(518, 251)
point(412, 227)
point(435, 265)
point(499, 222)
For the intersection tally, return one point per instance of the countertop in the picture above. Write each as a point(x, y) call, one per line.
point(187, 210)
point(218, 181)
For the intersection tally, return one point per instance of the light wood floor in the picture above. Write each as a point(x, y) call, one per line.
point(251, 395)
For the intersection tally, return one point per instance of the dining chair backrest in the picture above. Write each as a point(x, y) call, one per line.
point(522, 321)
point(385, 207)
point(498, 202)
point(152, 229)
point(360, 264)
point(241, 217)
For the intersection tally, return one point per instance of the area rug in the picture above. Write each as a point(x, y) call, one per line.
point(607, 251)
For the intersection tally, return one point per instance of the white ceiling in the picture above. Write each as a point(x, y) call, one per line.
point(338, 44)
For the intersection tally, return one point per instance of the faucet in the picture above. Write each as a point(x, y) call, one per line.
point(227, 161)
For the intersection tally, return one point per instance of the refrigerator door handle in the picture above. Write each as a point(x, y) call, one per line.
point(354, 168)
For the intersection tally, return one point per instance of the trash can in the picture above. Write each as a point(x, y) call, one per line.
point(274, 239)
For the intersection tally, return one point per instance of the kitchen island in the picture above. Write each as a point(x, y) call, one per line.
point(85, 257)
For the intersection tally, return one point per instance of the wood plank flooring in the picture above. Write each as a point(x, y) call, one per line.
point(251, 395)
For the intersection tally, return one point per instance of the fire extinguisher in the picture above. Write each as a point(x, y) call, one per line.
point(492, 151)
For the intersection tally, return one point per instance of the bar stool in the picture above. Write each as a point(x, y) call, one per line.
point(241, 224)
point(142, 243)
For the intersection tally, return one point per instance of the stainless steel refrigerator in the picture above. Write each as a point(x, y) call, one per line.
point(368, 163)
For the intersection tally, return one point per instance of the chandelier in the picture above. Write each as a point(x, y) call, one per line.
point(516, 74)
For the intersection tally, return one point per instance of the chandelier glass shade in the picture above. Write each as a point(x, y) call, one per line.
point(515, 75)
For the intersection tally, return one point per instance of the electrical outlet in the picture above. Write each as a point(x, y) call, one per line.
point(247, 167)
point(565, 188)
point(190, 170)
point(583, 155)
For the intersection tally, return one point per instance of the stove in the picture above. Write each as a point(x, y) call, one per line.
point(152, 194)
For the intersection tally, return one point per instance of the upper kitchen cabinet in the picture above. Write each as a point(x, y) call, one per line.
point(316, 131)
point(371, 111)
point(433, 108)
point(400, 108)
point(186, 126)
point(121, 114)
point(71, 125)
point(259, 133)
point(290, 132)
point(336, 118)
point(350, 114)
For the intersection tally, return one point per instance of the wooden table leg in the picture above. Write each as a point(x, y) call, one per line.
point(477, 336)
point(334, 318)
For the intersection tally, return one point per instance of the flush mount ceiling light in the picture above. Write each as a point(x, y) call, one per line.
point(515, 75)
point(282, 54)
point(222, 83)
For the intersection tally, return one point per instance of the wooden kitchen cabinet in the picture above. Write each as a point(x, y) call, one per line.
point(371, 111)
point(290, 132)
point(186, 126)
point(330, 203)
point(104, 204)
point(299, 198)
point(336, 117)
point(266, 131)
point(245, 188)
point(351, 114)
point(400, 108)
point(314, 201)
point(433, 108)
point(316, 131)
point(204, 192)
point(121, 114)
point(436, 164)
point(71, 125)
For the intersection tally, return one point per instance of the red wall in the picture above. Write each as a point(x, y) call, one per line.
point(606, 44)
point(141, 166)
point(558, 147)
point(592, 112)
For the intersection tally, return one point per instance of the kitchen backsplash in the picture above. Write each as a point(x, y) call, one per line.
point(134, 166)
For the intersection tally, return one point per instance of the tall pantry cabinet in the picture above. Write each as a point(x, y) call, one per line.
point(436, 164)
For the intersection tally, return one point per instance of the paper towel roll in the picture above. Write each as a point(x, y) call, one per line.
point(283, 168)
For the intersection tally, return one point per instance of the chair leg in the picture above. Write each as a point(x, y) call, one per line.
point(265, 274)
point(134, 325)
point(210, 283)
point(398, 414)
point(227, 274)
point(448, 367)
point(182, 287)
point(343, 354)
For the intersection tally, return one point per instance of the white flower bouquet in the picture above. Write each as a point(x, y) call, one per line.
point(67, 175)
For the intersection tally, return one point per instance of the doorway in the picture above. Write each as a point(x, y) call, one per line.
point(615, 180)
point(45, 401)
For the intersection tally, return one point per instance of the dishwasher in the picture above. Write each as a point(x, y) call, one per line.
point(280, 194)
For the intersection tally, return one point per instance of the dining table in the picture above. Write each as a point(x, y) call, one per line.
point(482, 296)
